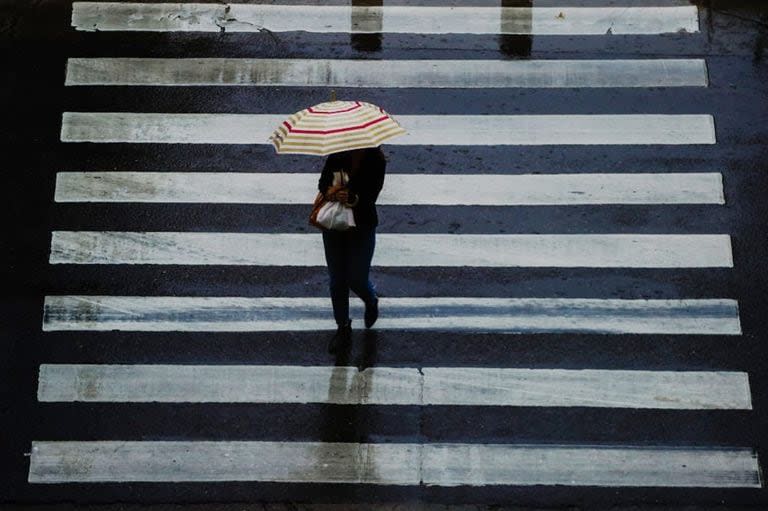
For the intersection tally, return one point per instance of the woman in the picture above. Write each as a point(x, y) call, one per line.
point(349, 253)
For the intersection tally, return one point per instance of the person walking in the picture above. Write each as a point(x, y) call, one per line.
point(348, 254)
point(350, 134)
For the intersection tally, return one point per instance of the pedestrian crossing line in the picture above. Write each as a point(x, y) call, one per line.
point(507, 315)
point(438, 464)
point(455, 386)
point(477, 130)
point(465, 74)
point(400, 189)
point(397, 250)
point(212, 17)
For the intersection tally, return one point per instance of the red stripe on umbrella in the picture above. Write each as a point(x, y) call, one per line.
point(331, 112)
point(339, 130)
point(332, 130)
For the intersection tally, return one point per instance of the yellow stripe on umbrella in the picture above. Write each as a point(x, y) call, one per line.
point(335, 126)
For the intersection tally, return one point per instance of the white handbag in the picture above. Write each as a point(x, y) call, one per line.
point(335, 215)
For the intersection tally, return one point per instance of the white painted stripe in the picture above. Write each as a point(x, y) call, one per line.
point(211, 17)
point(186, 128)
point(418, 250)
point(481, 465)
point(399, 189)
point(596, 388)
point(393, 464)
point(510, 315)
point(457, 386)
point(388, 73)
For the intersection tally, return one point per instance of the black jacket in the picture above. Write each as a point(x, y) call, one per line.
point(365, 182)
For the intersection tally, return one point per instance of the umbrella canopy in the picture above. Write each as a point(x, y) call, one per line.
point(333, 127)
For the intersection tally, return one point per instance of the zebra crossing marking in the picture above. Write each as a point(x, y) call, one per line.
point(465, 74)
point(399, 189)
point(211, 17)
point(453, 386)
point(510, 315)
point(478, 130)
point(393, 464)
point(448, 464)
point(397, 250)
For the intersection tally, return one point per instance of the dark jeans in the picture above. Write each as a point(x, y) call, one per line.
point(348, 255)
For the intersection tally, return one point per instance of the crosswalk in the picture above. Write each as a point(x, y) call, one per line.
point(520, 315)
point(271, 319)
point(397, 250)
point(392, 464)
point(402, 189)
point(395, 386)
point(475, 130)
point(480, 74)
point(361, 18)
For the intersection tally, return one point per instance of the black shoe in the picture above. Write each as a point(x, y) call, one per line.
point(371, 312)
point(341, 338)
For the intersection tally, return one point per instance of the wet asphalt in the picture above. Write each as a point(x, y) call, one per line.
point(36, 40)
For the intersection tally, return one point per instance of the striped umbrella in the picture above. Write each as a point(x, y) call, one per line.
point(333, 127)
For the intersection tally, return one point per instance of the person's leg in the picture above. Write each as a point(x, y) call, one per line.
point(361, 247)
point(336, 258)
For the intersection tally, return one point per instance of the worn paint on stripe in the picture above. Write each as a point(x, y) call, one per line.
point(202, 17)
point(510, 315)
point(397, 250)
point(456, 386)
point(399, 189)
point(392, 464)
point(482, 465)
point(388, 73)
point(187, 128)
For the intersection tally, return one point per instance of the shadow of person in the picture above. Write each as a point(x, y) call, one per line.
point(367, 357)
point(366, 25)
point(516, 28)
point(342, 454)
